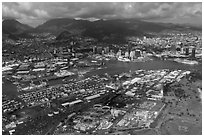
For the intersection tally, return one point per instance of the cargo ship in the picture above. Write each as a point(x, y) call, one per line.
point(185, 61)
point(63, 73)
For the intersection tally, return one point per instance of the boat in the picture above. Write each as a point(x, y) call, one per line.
point(185, 61)
point(63, 73)
point(124, 59)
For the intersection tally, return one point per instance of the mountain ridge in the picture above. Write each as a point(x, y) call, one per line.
point(100, 29)
point(13, 29)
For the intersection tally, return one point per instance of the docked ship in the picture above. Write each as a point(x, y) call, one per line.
point(124, 59)
point(63, 73)
point(185, 61)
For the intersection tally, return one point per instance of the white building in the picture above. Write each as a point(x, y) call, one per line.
point(132, 55)
point(126, 54)
point(119, 53)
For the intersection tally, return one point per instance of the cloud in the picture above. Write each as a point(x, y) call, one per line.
point(36, 13)
point(41, 13)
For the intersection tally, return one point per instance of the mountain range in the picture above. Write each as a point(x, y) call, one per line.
point(13, 29)
point(113, 30)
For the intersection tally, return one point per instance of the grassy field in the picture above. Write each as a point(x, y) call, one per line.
point(185, 118)
point(179, 126)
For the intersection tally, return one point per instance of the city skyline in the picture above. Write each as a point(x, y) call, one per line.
point(102, 68)
point(36, 13)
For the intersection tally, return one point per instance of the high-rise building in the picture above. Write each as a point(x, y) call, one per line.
point(94, 49)
point(99, 50)
point(103, 52)
point(190, 50)
point(126, 54)
point(119, 53)
point(132, 55)
point(182, 50)
point(137, 53)
point(55, 51)
point(106, 49)
point(187, 51)
point(193, 52)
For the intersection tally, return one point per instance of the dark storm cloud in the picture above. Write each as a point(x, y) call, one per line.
point(35, 13)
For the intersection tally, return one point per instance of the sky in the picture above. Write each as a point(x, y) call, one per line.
point(36, 13)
